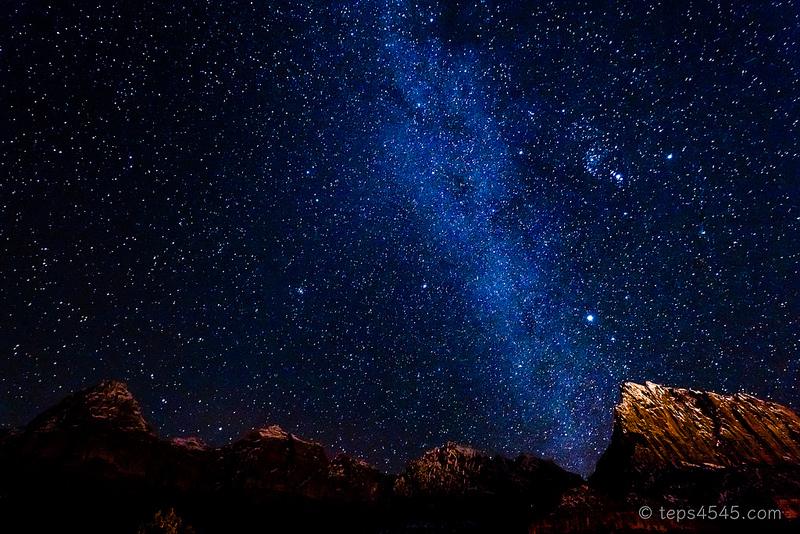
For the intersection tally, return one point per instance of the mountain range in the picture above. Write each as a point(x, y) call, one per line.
point(678, 461)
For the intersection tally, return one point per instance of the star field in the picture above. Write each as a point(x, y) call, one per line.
point(388, 224)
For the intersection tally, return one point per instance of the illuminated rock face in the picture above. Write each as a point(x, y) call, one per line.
point(689, 446)
point(109, 403)
point(661, 425)
point(680, 449)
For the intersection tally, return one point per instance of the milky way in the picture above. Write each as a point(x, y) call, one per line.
point(385, 225)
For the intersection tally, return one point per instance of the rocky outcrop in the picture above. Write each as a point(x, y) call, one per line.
point(460, 489)
point(353, 480)
point(109, 405)
point(274, 460)
point(675, 450)
point(692, 448)
point(657, 425)
point(96, 432)
point(455, 470)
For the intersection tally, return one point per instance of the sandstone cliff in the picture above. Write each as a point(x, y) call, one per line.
point(692, 449)
point(658, 425)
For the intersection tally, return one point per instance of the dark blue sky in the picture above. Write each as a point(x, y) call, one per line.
point(385, 225)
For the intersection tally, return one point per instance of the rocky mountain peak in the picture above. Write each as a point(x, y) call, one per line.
point(271, 432)
point(455, 470)
point(191, 443)
point(109, 403)
point(447, 469)
point(663, 425)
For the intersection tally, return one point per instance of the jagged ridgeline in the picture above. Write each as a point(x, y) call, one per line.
point(94, 464)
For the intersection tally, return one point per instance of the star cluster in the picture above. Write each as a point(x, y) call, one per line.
point(387, 224)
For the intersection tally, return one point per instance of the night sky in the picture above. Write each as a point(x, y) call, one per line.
point(384, 225)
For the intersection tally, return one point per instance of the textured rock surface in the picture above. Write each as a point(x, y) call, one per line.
point(455, 488)
point(109, 403)
point(694, 448)
point(353, 480)
point(455, 470)
point(274, 460)
point(447, 470)
point(95, 432)
point(661, 425)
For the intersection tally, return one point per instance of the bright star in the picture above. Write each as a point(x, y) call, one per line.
point(590, 318)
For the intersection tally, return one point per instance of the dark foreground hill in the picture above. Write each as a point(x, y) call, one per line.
point(93, 464)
